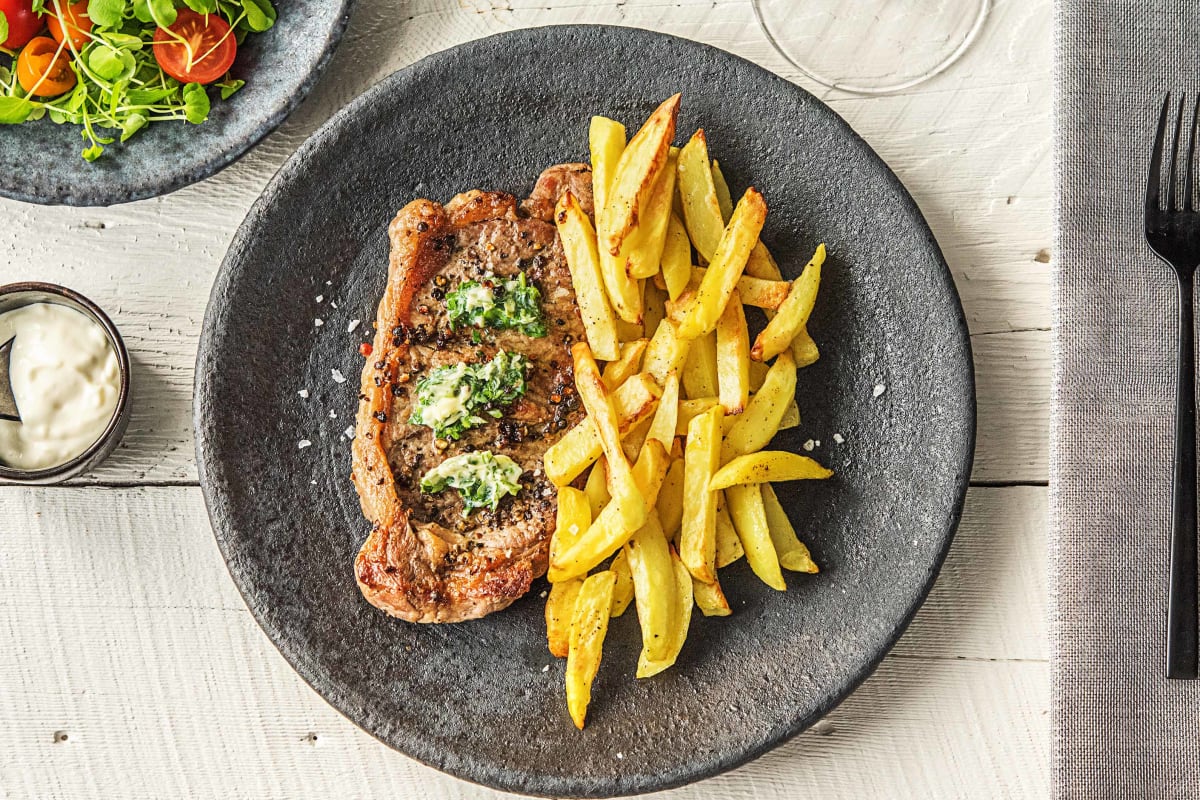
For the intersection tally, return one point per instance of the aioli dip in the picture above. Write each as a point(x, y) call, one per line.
point(66, 382)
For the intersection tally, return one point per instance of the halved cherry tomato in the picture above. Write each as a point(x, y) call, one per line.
point(198, 48)
point(78, 23)
point(43, 69)
point(23, 23)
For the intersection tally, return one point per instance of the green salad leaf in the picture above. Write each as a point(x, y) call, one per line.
point(3, 26)
point(14, 110)
point(498, 304)
point(482, 478)
point(451, 398)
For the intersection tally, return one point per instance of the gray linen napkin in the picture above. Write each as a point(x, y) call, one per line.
point(1121, 730)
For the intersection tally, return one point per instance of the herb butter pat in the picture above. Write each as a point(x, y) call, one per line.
point(482, 478)
point(451, 398)
point(490, 302)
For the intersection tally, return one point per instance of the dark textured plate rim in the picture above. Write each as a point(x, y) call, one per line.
point(222, 159)
point(555, 786)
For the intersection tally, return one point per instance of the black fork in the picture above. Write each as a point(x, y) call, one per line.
point(1173, 231)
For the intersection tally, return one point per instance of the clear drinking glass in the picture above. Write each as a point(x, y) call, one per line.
point(872, 46)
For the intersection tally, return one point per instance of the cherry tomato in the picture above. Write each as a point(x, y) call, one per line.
point(23, 23)
point(365, 349)
point(198, 48)
point(43, 69)
point(78, 23)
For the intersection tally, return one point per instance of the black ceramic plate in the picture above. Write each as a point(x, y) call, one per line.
point(477, 699)
point(40, 162)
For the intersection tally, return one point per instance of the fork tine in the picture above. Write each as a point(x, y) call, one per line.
point(1188, 203)
point(1173, 196)
point(1153, 202)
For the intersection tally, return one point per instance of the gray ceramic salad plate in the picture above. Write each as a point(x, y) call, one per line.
point(40, 161)
point(483, 700)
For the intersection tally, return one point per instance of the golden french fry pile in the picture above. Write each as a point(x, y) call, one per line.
point(677, 482)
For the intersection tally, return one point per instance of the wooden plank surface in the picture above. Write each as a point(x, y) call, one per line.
point(132, 670)
point(129, 667)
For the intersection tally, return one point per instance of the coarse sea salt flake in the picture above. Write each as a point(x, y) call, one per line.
point(837, 437)
point(337, 375)
point(318, 322)
point(546, 668)
point(303, 393)
point(332, 414)
point(305, 443)
point(354, 323)
point(349, 432)
point(320, 297)
point(809, 445)
point(879, 389)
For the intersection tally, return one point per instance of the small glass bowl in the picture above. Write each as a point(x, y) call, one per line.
point(17, 295)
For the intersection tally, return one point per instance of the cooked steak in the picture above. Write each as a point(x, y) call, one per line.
point(442, 395)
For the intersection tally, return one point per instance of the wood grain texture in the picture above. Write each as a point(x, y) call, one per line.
point(129, 667)
point(162, 684)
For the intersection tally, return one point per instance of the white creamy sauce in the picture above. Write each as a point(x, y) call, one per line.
point(66, 381)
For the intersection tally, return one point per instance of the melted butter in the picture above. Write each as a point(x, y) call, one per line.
point(66, 381)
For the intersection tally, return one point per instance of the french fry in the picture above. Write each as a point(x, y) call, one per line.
point(646, 243)
point(626, 364)
point(710, 599)
point(596, 492)
point(666, 352)
point(573, 516)
point(758, 374)
point(566, 459)
point(623, 293)
point(702, 457)
point(599, 404)
point(733, 357)
point(583, 259)
point(767, 465)
point(683, 619)
point(676, 258)
point(804, 349)
point(632, 442)
point(724, 198)
point(653, 587)
point(793, 313)
point(560, 608)
point(623, 587)
point(666, 417)
point(630, 331)
point(791, 414)
point(606, 141)
point(757, 292)
point(654, 306)
point(793, 553)
point(701, 209)
point(762, 265)
point(700, 369)
point(690, 409)
point(588, 628)
point(758, 424)
point(699, 313)
point(608, 531)
point(670, 499)
point(635, 175)
point(729, 546)
point(750, 520)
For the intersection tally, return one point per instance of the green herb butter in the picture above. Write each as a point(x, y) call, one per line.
point(513, 304)
point(482, 478)
point(452, 398)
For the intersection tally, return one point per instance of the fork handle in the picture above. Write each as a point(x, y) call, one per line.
point(1182, 620)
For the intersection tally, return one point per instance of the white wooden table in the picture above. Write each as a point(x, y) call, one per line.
point(129, 667)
